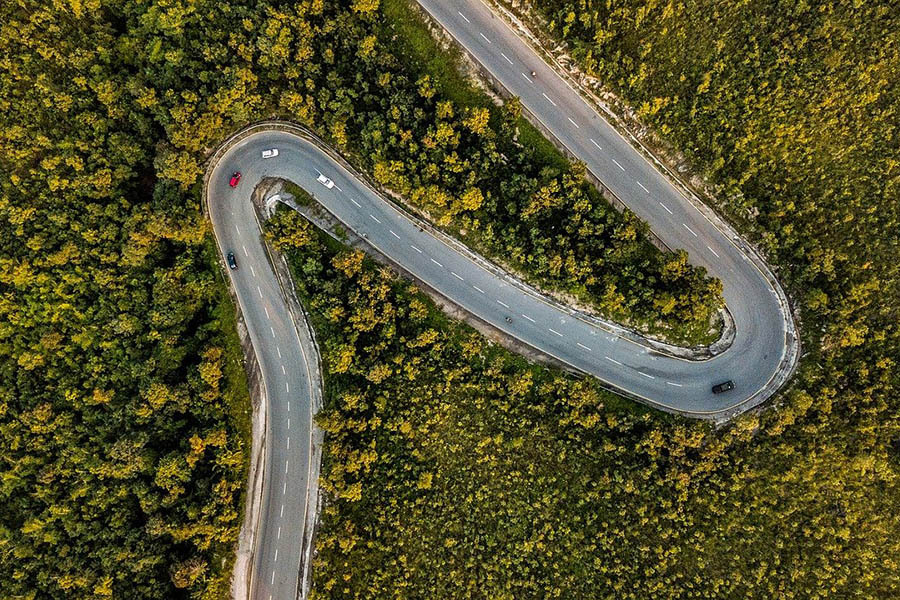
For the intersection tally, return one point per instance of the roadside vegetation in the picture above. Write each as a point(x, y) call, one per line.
point(121, 440)
point(454, 469)
point(122, 435)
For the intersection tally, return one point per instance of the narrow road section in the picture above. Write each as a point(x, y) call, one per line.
point(287, 377)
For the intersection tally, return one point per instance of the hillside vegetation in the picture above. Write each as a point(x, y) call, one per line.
point(455, 470)
point(123, 410)
point(793, 111)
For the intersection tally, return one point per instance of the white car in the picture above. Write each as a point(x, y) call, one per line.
point(325, 181)
point(270, 153)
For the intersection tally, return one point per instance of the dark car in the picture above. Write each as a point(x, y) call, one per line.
point(235, 179)
point(231, 260)
point(725, 386)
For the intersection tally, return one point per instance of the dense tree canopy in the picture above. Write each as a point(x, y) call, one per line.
point(793, 111)
point(122, 407)
point(455, 470)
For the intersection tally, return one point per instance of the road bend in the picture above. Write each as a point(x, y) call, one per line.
point(761, 355)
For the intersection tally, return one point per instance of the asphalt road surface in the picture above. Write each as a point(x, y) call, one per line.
point(762, 324)
point(287, 379)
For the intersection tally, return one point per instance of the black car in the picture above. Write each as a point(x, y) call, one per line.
point(231, 260)
point(725, 386)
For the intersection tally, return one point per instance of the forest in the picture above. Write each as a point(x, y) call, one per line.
point(123, 407)
point(123, 404)
point(455, 469)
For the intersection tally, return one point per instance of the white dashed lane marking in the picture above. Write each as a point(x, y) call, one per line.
point(414, 248)
point(457, 276)
point(358, 205)
point(506, 57)
point(276, 556)
point(272, 329)
point(478, 288)
point(642, 187)
point(283, 372)
point(672, 383)
point(618, 165)
point(689, 229)
point(463, 16)
point(713, 251)
point(596, 144)
point(484, 37)
point(252, 271)
point(282, 510)
point(245, 250)
point(266, 308)
point(374, 218)
point(667, 208)
point(260, 291)
point(646, 375)
point(527, 78)
point(550, 100)
point(279, 351)
point(394, 234)
point(554, 332)
point(580, 345)
point(573, 122)
point(529, 318)
point(436, 262)
point(502, 303)
point(612, 360)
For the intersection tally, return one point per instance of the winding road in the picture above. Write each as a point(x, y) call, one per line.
point(759, 359)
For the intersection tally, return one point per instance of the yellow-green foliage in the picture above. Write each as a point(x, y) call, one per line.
point(110, 313)
point(462, 472)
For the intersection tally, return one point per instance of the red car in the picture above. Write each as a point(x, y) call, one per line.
point(235, 179)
